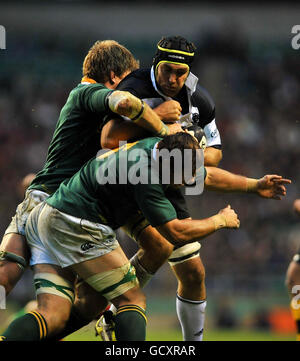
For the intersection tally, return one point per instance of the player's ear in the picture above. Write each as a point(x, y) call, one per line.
point(112, 78)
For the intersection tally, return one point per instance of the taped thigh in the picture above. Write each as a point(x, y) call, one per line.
point(114, 283)
point(184, 253)
point(53, 284)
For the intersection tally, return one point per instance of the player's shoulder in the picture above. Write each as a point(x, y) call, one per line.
point(138, 75)
point(201, 97)
point(82, 87)
point(202, 100)
point(138, 82)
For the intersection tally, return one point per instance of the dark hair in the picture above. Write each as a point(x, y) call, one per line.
point(106, 56)
point(180, 141)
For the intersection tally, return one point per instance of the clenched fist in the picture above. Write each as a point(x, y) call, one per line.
point(226, 218)
point(169, 111)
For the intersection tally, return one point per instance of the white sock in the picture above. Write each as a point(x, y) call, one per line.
point(191, 315)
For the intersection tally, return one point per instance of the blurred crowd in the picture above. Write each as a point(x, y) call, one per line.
point(256, 88)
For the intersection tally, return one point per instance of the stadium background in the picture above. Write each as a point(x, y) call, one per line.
point(245, 60)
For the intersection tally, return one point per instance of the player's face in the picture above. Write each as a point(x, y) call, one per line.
point(171, 78)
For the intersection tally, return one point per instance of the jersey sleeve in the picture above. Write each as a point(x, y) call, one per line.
point(213, 138)
point(205, 105)
point(93, 98)
point(153, 203)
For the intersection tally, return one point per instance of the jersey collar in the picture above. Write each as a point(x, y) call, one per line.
point(86, 80)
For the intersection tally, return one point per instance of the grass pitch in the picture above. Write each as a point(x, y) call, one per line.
point(171, 334)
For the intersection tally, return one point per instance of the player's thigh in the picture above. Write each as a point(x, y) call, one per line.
point(114, 259)
point(15, 243)
point(88, 302)
point(11, 270)
point(111, 275)
point(293, 275)
point(155, 246)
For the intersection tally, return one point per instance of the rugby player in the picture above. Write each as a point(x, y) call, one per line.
point(293, 279)
point(77, 138)
point(173, 91)
point(65, 235)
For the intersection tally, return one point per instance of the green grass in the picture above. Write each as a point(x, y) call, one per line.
point(160, 334)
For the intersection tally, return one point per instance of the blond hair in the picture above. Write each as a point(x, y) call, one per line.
point(106, 56)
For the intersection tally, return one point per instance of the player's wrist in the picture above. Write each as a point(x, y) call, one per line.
point(251, 185)
point(164, 131)
point(140, 113)
point(219, 221)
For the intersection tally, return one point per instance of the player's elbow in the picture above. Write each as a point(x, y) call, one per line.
point(122, 102)
point(109, 143)
point(212, 157)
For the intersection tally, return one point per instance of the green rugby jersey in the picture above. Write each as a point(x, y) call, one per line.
point(84, 196)
point(76, 137)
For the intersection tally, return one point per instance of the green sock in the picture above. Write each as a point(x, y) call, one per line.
point(30, 327)
point(130, 323)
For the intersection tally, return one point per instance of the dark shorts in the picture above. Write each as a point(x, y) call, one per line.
point(177, 199)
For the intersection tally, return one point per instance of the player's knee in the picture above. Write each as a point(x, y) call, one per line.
point(196, 278)
point(134, 296)
point(56, 320)
point(191, 277)
point(89, 305)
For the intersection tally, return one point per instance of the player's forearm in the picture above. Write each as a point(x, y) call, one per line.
point(117, 130)
point(151, 122)
point(221, 180)
point(212, 156)
point(180, 232)
point(126, 104)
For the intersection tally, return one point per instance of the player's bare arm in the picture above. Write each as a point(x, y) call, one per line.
point(117, 130)
point(269, 186)
point(296, 206)
point(126, 104)
point(212, 156)
point(179, 232)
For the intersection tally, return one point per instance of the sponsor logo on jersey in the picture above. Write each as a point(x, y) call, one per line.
point(86, 246)
point(214, 134)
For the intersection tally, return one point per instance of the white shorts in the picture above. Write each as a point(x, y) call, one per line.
point(57, 238)
point(32, 198)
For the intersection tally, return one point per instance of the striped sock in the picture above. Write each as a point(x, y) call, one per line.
point(30, 327)
point(130, 323)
